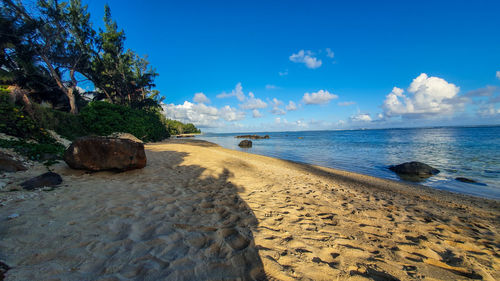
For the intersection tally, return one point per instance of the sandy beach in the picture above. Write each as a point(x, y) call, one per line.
point(198, 211)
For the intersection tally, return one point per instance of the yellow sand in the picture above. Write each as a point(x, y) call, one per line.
point(202, 212)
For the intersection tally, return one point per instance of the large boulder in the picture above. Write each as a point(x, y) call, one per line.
point(48, 179)
point(9, 164)
point(105, 153)
point(414, 168)
point(245, 143)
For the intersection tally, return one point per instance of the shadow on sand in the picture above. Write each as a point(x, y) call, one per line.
point(168, 221)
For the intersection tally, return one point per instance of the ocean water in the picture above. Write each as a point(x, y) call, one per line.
point(470, 152)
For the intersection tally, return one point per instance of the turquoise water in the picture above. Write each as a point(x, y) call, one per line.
point(471, 152)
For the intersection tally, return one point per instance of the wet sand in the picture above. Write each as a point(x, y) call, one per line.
point(201, 212)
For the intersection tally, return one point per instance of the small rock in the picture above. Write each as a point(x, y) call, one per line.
point(9, 164)
point(245, 143)
point(13, 216)
point(48, 179)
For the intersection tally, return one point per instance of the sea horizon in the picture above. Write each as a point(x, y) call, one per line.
point(356, 129)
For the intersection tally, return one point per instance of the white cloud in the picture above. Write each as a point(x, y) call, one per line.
point(329, 53)
point(283, 123)
point(291, 106)
point(201, 98)
point(346, 103)
point(200, 114)
point(307, 58)
point(362, 117)
point(276, 102)
point(498, 74)
point(236, 92)
point(283, 73)
point(488, 111)
point(278, 111)
point(231, 114)
point(253, 103)
point(271, 87)
point(319, 97)
point(428, 96)
point(256, 113)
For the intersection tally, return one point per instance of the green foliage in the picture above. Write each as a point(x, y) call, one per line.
point(34, 151)
point(67, 125)
point(176, 128)
point(51, 46)
point(15, 122)
point(104, 118)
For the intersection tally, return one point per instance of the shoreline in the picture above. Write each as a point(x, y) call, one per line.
point(364, 180)
point(201, 211)
point(372, 154)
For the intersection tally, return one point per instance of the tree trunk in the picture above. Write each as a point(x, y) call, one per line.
point(21, 94)
point(72, 101)
point(67, 91)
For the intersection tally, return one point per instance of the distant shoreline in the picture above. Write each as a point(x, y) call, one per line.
point(356, 129)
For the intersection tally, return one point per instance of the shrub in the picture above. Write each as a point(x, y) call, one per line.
point(15, 122)
point(176, 128)
point(34, 151)
point(104, 118)
point(67, 125)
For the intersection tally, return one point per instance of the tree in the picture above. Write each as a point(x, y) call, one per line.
point(122, 76)
point(62, 39)
point(17, 64)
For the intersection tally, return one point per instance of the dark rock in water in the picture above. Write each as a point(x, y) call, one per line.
point(105, 153)
point(245, 143)
point(466, 180)
point(253, 137)
point(48, 179)
point(9, 164)
point(414, 169)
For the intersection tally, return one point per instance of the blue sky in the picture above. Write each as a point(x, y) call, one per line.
point(349, 64)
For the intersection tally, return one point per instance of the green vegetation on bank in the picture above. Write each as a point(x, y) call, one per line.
point(46, 51)
point(177, 128)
